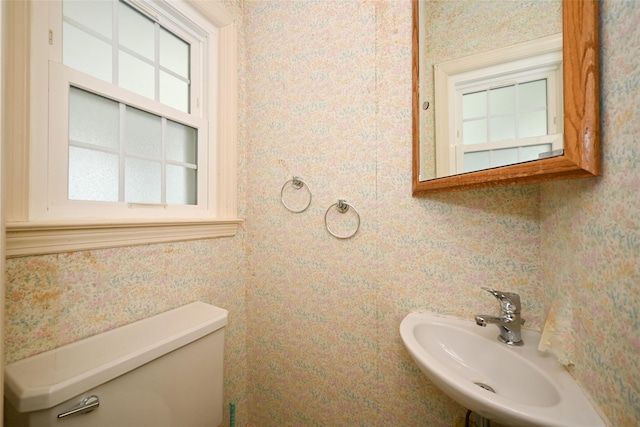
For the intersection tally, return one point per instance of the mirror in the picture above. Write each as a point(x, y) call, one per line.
point(578, 94)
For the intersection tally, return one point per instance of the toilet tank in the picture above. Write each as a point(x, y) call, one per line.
point(166, 370)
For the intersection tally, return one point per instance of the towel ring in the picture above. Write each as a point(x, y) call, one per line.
point(342, 206)
point(297, 183)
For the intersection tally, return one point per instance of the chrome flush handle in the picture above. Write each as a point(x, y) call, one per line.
point(87, 404)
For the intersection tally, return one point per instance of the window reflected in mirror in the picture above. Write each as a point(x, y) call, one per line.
point(499, 108)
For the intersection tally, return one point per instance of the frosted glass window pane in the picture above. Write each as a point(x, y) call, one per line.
point(86, 53)
point(474, 132)
point(477, 161)
point(533, 124)
point(181, 185)
point(174, 92)
point(474, 105)
point(93, 175)
point(93, 119)
point(181, 142)
point(92, 14)
point(136, 75)
point(533, 95)
point(174, 53)
point(502, 100)
point(142, 181)
point(507, 156)
point(532, 152)
point(136, 31)
point(503, 128)
point(143, 133)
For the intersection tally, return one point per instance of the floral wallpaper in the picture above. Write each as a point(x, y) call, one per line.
point(313, 334)
point(53, 300)
point(329, 86)
point(591, 233)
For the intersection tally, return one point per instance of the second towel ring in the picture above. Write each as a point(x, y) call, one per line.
point(342, 206)
point(297, 183)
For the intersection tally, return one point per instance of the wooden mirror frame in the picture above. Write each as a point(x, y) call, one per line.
point(581, 156)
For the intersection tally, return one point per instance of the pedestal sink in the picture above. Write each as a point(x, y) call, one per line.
point(515, 386)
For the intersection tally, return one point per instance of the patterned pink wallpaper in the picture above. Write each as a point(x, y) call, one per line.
point(313, 335)
point(53, 300)
point(591, 233)
point(330, 100)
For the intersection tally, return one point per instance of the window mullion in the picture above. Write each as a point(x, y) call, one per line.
point(163, 168)
point(518, 112)
point(156, 34)
point(488, 117)
point(80, 26)
point(115, 43)
point(122, 156)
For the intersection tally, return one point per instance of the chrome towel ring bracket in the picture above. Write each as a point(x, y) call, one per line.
point(300, 203)
point(342, 207)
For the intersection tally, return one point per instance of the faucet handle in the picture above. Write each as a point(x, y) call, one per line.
point(509, 301)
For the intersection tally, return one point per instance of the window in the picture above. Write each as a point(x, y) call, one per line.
point(506, 123)
point(119, 153)
point(126, 88)
point(131, 125)
point(146, 54)
point(499, 108)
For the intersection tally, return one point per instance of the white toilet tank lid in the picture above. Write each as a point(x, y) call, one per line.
point(48, 379)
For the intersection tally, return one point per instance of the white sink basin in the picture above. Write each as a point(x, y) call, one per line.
point(530, 388)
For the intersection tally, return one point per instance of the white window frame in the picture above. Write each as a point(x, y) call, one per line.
point(35, 226)
point(539, 55)
point(59, 206)
point(553, 137)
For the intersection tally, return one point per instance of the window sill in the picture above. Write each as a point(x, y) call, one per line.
point(32, 238)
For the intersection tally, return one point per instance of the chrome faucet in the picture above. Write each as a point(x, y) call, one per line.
point(509, 322)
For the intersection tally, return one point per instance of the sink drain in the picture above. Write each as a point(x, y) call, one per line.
point(486, 387)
